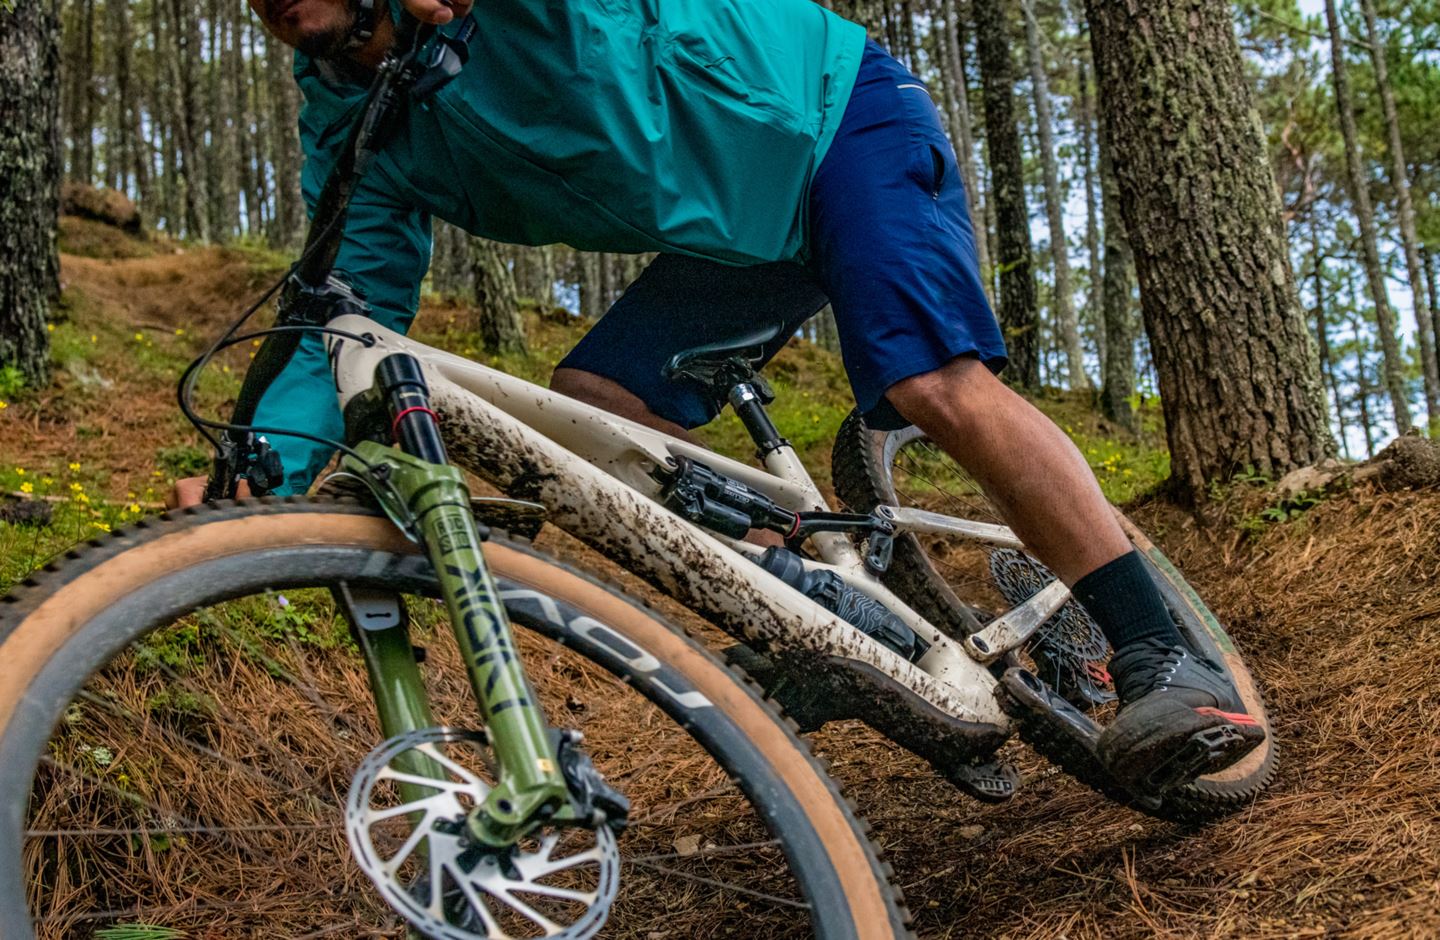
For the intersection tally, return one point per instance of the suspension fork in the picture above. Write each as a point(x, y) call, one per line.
point(429, 499)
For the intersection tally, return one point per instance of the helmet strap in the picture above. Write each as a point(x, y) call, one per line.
point(366, 14)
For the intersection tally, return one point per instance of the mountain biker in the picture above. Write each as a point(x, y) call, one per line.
point(777, 160)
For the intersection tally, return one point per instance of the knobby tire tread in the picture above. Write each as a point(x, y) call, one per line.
point(37, 587)
point(861, 483)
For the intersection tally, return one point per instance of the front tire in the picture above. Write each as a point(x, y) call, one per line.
point(118, 667)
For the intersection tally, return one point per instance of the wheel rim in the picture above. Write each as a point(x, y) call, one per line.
point(131, 824)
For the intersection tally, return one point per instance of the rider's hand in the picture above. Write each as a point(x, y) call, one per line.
point(438, 12)
point(191, 492)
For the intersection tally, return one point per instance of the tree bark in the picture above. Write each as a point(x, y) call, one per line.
point(1095, 295)
point(1007, 191)
point(1392, 366)
point(1405, 211)
point(1322, 334)
point(285, 126)
point(188, 127)
point(82, 103)
point(497, 311)
point(951, 47)
point(29, 183)
point(1067, 325)
point(1237, 367)
point(1117, 382)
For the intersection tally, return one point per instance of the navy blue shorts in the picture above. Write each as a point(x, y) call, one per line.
point(891, 249)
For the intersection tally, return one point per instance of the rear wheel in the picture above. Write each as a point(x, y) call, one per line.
point(181, 712)
point(953, 583)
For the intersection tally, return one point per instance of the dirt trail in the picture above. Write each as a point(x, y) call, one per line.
point(1339, 609)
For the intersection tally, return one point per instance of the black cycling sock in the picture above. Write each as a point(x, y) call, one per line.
point(1125, 603)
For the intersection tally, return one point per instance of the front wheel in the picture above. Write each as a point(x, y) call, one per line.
point(181, 713)
point(953, 584)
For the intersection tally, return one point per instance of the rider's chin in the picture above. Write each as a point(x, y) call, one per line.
point(324, 44)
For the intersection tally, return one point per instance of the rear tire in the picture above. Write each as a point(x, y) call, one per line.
point(121, 844)
point(863, 465)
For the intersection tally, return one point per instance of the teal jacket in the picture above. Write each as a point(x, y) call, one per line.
point(689, 126)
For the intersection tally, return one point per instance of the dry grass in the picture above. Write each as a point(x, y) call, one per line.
point(1338, 610)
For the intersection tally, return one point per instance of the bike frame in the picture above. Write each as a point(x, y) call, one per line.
point(592, 470)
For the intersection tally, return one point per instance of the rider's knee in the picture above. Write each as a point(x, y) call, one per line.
point(955, 394)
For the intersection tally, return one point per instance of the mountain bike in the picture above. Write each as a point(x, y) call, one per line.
point(189, 744)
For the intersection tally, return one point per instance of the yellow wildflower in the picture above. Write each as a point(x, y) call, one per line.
point(82, 498)
point(20, 471)
point(47, 480)
point(94, 339)
point(50, 328)
point(27, 487)
point(139, 337)
point(76, 488)
point(74, 466)
point(102, 526)
point(133, 507)
point(4, 405)
point(179, 331)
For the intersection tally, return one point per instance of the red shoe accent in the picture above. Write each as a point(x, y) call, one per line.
point(1098, 672)
point(1238, 718)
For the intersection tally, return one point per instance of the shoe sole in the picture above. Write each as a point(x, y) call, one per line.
point(1172, 744)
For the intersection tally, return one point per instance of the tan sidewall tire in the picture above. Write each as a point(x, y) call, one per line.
point(53, 608)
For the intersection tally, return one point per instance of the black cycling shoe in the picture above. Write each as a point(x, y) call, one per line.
point(1180, 718)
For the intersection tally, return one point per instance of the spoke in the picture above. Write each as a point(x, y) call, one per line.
point(181, 830)
point(478, 905)
point(400, 776)
point(564, 894)
point(722, 885)
point(718, 790)
point(119, 711)
point(508, 897)
point(706, 853)
point(592, 854)
point(380, 815)
point(435, 754)
point(407, 848)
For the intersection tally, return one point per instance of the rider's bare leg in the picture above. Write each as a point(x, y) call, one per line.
point(613, 397)
point(1027, 466)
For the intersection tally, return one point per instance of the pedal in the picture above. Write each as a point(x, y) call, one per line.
point(1205, 752)
point(988, 783)
point(1062, 734)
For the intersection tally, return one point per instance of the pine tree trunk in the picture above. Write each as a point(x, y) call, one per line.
point(1237, 368)
point(1392, 365)
point(950, 37)
point(29, 183)
point(1322, 335)
point(1117, 381)
point(285, 127)
point(188, 127)
point(1405, 211)
point(162, 94)
point(1066, 323)
point(222, 160)
point(497, 311)
point(82, 104)
point(1095, 296)
point(261, 118)
point(1007, 192)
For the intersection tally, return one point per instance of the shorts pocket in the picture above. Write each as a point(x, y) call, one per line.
point(930, 151)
